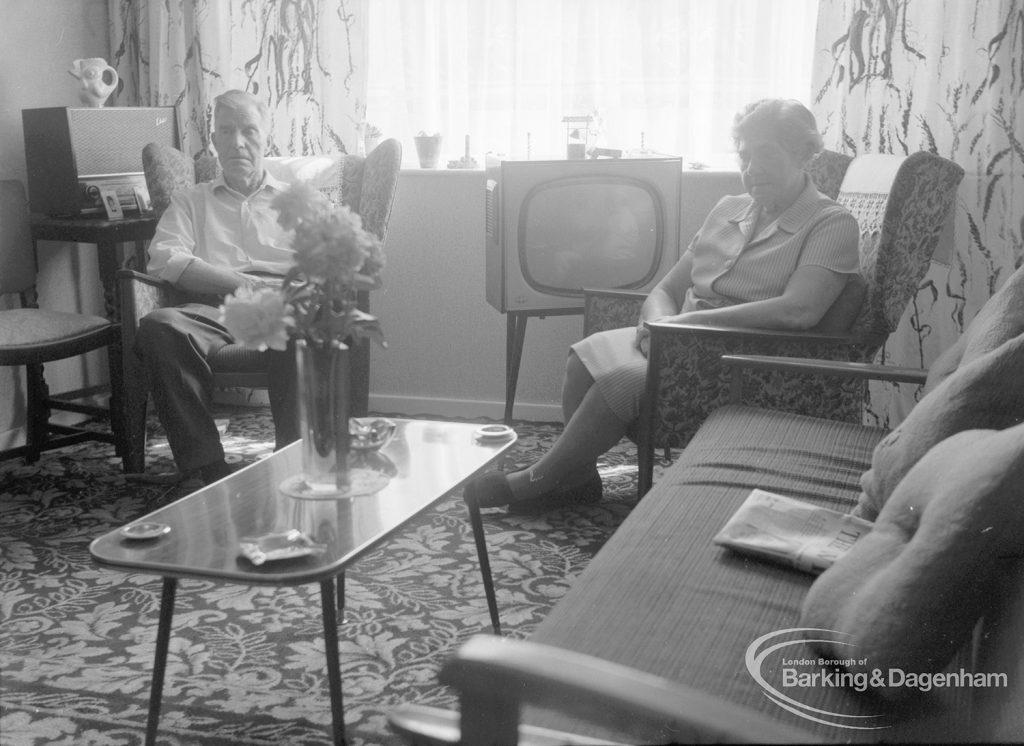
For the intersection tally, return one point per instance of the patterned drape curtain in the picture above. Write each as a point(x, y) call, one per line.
point(305, 58)
point(945, 76)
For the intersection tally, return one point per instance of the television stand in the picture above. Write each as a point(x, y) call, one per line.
point(515, 336)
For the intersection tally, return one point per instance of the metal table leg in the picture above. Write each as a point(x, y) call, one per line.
point(329, 606)
point(485, 564)
point(163, 638)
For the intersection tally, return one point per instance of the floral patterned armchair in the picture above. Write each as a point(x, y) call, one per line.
point(367, 185)
point(900, 204)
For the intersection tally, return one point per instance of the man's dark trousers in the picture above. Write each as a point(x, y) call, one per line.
point(175, 345)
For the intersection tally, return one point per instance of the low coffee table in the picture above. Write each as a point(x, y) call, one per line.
point(427, 459)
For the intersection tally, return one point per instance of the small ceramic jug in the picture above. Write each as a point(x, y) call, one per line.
point(98, 80)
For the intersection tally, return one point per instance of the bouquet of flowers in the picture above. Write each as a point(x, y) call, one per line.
point(334, 259)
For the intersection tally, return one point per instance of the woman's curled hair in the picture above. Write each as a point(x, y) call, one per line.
point(786, 121)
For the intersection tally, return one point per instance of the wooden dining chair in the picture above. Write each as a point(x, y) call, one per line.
point(31, 337)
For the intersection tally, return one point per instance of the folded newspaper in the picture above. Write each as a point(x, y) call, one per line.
point(792, 532)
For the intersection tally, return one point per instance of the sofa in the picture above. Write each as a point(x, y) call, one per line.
point(667, 637)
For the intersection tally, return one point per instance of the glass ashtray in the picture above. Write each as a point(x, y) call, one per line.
point(285, 545)
point(370, 433)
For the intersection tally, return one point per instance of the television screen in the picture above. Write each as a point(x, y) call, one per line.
point(556, 227)
point(602, 232)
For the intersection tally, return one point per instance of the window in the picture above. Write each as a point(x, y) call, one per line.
point(667, 75)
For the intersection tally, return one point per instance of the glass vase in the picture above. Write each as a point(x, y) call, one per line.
point(328, 469)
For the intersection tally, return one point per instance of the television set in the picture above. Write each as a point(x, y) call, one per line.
point(556, 227)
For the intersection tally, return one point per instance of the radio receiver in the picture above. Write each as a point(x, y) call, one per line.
point(71, 153)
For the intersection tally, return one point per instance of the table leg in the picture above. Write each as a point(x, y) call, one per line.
point(110, 257)
point(163, 638)
point(341, 595)
point(515, 336)
point(327, 602)
point(485, 564)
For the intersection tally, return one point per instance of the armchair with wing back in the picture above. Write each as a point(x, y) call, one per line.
point(900, 203)
point(365, 184)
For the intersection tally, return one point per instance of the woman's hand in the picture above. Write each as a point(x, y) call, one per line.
point(643, 339)
point(643, 334)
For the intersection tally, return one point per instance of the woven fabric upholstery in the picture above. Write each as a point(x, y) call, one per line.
point(34, 335)
point(236, 358)
point(661, 598)
point(207, 167)
point(378, 183)
point(827, 170)
point(899, 231)
point(693, 382)
point(166, 170)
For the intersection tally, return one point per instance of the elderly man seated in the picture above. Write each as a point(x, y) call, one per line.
point(213, 239)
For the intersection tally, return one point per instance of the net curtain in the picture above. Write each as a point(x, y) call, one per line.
point(305, 58)
point(944, 76)
point(667, 75)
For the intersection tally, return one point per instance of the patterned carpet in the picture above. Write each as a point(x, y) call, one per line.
point(246, 664)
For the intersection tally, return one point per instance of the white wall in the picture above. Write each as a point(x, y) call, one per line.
point(40, 40)
point(446, 353)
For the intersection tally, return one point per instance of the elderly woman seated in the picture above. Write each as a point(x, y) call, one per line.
point(774, 258)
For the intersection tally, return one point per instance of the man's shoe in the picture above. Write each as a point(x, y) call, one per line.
point(216, 471)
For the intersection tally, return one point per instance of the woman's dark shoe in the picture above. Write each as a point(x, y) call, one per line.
point(492, 491)
point(489, 491)
point(586, 493)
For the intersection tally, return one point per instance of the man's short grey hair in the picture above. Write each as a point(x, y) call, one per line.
point(236, 100)
point(786, 121)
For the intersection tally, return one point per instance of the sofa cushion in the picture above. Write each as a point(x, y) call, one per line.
point(662, 598)
point(907, 595)
point(984, 392)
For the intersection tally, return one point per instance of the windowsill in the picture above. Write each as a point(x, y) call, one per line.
point(466, 171)
point(428, 171)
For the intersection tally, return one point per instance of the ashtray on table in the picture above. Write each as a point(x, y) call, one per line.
point(370, 433)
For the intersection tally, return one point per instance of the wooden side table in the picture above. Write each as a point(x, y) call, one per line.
point(109, 237)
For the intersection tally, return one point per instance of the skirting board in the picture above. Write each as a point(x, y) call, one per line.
point(399, 404)
point(396, 405)
point(12, 438)
point(16, 436)
point(463, 408)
